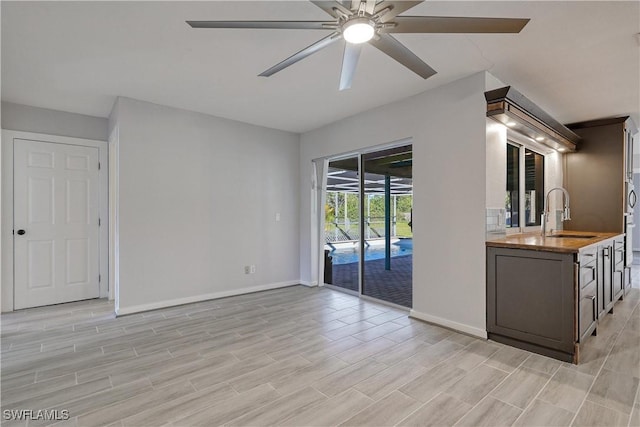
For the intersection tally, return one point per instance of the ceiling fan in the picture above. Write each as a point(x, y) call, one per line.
point(372, 21)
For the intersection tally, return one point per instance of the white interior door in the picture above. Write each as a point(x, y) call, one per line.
point(56, 245)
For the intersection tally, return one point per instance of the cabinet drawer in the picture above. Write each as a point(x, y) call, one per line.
point(587, 274)
point(587, 310)
point(618, 255)
point(618, 247)
point(588, 256)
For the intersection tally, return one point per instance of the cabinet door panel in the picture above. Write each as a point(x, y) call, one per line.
point(618, 281)
point(605, 293)
point(530, 297)
point(587, 310)
point(587, 275)
point(618, 256)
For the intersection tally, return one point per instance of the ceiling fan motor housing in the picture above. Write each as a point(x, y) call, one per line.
point(358, 30)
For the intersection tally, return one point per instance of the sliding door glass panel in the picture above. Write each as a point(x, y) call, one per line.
point(386, 227)
point(342, 225)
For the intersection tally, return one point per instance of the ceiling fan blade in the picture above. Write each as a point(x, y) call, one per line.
point(332, 7)
point(447, 24)
point(395, 8)
point(309, 50)
point(284, 25)
point(400, 53)
point(349, 64)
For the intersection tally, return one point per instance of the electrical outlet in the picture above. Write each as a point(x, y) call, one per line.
point(253, 269)
point(247, 269)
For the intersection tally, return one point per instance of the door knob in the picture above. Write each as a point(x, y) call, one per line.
point(21, 232)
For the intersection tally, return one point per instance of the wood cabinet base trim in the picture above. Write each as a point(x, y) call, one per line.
point(549, 352)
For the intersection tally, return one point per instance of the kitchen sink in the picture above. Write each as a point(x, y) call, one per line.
point(573, 236)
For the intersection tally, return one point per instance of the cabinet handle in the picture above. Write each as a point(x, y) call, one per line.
point(593, 273)
point(605, 252)
point(593, 302)
point(621, 278)
point(635, 199)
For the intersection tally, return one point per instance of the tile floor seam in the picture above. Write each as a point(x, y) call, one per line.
point(485, 396)
point(420, 406)
point(520, 365)
point(605, 406)
point(539, 391)
point(507, 403)
point(374, 402)
point(325, 395)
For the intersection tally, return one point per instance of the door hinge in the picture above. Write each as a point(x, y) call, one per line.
point(99, 278)
point(99, 165)
point(99, 222)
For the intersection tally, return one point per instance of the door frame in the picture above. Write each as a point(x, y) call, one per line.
point(318, 216)
point(7, 287)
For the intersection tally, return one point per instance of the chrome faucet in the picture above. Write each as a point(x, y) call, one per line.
point(566, 213)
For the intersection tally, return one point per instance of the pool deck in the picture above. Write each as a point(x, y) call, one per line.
point(393, 285)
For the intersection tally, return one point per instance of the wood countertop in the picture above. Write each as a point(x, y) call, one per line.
point(571, 243)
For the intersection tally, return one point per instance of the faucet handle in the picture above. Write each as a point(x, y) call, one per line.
point(566, 215)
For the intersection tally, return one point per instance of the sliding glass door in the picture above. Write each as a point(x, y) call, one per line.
point(368, 224)
point(342, 224)
point(388, 245)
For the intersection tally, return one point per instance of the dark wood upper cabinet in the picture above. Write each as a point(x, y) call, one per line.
point(597, 175)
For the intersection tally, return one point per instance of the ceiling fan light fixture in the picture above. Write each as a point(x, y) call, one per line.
point(358, 30)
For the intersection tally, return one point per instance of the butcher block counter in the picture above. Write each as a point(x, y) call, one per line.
point(548, 294)
point(564, 242)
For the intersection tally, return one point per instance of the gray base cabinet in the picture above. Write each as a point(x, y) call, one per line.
point(530, 299)
point(550, 302)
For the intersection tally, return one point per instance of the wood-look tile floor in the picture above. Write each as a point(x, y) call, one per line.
point(303, 357)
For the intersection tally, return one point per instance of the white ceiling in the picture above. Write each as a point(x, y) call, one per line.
point(577, 60)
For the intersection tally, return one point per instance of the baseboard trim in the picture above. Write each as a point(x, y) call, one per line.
point(307, 283)
point(197, 298)
point(450, 324)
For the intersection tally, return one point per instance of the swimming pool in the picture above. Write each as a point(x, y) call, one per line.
point(349, 254)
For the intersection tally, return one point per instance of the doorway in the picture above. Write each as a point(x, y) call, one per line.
point(56, 235)
point(368, 225)
point(55, 219)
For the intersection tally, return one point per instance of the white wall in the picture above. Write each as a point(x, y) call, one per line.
point(448, 128)
point(496, 164)
point(198, 196)
point(53, 122)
